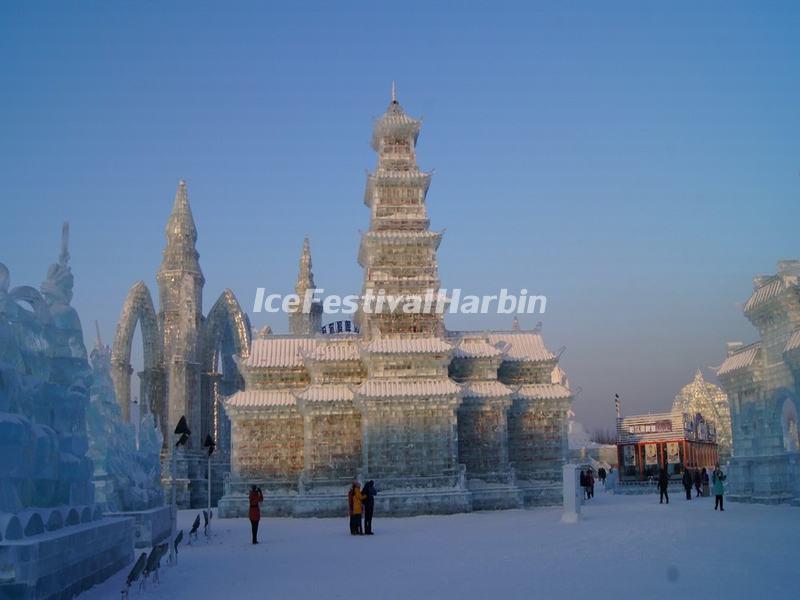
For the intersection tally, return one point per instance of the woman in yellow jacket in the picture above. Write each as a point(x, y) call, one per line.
point(354, 501)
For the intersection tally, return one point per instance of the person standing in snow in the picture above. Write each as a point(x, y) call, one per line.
point(704, 476)
point(663, 484)
point(589, 484)
point(256, 498)
point(698, 482)
point(354, 502)
point(583, 484)
point(717, 479)
point(601, 473)
point(688, 480)
point(368, 494)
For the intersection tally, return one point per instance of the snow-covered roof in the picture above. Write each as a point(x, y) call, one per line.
point(485, 389)
point(408, 346)
point(336, 350)
point(402, 236)
point(279, 351)
point(259, 398)
point(523, 346)
point(394, 123)
point(380, 388)
point(793, 343)
point(475, 347)
point(740, 359)
point(769, 289)
point(326, 393)
point(543, 391)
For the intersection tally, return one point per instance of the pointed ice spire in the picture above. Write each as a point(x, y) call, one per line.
point(181, 233)
point(305, 276)
point(394, 93)
point(63, 257)
point(307, 318)
point(698, 376)
point(181, 221)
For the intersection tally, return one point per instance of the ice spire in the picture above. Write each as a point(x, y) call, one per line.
point(63, 257)
point(394, 93)
point(181, 221)
point(305, 276)
point(307, 319)
point(180, 253)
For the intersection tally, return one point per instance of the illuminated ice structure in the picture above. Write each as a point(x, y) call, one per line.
point(127, 468)
point(54, 539)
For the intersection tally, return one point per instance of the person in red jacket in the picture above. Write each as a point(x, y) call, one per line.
point(256, 498)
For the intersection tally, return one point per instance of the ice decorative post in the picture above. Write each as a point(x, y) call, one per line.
point(210, 444)
point(183, 430)
point(571, 488)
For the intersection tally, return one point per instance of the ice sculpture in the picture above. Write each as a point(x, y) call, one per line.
point(127, 477)
point(46, 492)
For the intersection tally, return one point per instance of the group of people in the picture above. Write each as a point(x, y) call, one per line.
point(692, 476)
point(699, 479)
point(361, 501)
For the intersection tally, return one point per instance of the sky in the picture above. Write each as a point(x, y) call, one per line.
point(636, 163)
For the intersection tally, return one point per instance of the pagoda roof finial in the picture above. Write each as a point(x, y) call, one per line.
point(394, 92)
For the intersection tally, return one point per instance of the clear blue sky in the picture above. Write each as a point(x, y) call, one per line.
point(635, 162)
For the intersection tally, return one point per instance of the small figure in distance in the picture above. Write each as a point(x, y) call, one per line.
point(663, 485)
point(355, 505)
point(256, 498)
point(717, 479)
point(687, 482)
point(368, 493)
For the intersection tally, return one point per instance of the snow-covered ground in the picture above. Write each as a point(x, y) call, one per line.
point(625, 547)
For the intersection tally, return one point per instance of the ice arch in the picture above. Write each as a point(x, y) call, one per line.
point(225, 334)
point(138, 309)
point(791, 440)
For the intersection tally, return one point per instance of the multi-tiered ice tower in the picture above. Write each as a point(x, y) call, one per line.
point(442, 421)
point(408, 400)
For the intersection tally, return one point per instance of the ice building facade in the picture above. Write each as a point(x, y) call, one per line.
point(443, 421)
point(762, 381)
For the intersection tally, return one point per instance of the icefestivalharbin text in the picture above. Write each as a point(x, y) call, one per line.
point(378, 301)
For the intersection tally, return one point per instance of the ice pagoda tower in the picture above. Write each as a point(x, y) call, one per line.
point(442, 421)
point(408, 399)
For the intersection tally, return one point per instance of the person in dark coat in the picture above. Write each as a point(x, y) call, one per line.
point(589, 484)
point(688, 480)
point(256, 498)
point(368, 492)
point(601, 473)
point(663, 484)
point(583, 484)
point(698, 482)
point(704, 477)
